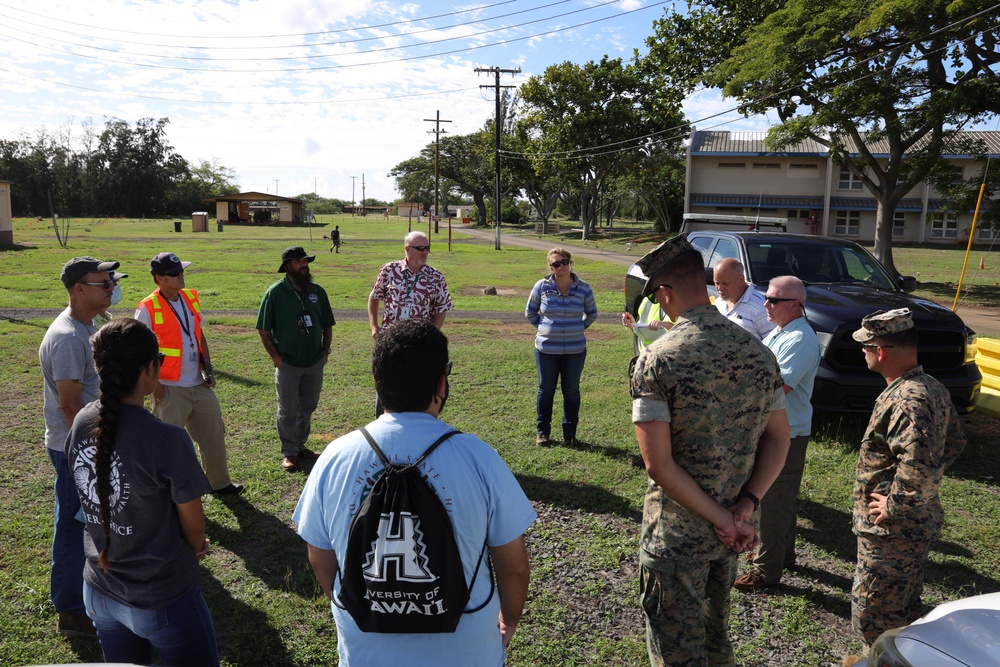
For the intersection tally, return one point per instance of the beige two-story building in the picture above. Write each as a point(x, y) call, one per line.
point(734, 173)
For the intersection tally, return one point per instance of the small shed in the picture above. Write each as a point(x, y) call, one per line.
point(258, 207)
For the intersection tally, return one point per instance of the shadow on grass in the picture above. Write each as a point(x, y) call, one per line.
point(240, 380)
point(245, 635)
point(15, 320)
point(268, 547)
point(576, 495)
point(978, 294)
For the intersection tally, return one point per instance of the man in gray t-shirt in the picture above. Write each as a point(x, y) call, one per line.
point(70, 383)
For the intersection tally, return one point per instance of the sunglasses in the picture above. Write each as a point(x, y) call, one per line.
point(561, 262)
point(773, 300)
point(422, 248)
point(174, 274)
point(160, 356)
point(873, 346)
point(106, 284)
point(447, 368)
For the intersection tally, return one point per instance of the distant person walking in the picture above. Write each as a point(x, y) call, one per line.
point(913, 436)
point(295, 323)
point(561, 306)
point(335, 239)
point(71, 382)
point(140, 486)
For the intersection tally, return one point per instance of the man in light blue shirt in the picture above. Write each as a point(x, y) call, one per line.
point(796, 347)
point(486, 505)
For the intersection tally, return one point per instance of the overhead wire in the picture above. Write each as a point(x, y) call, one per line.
point(357, 53)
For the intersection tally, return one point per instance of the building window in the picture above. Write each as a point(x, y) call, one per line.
point(898, 224)
point(848, 180)
point(798, 215)
point(766, 165)
point(797, 165)
point(732, 165)
point(847, 223)
point(944, 226)
point(987, 234)
point(957, 172)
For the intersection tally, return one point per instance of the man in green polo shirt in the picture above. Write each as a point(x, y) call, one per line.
point(295, 324)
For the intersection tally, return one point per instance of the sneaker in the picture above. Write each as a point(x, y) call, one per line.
point(288, 463)
point(75, 625)
point(751, 582)
point(230, 489)
point(542, 439)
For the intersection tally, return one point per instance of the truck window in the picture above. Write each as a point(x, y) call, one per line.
point(723, 249)
point(703, 244)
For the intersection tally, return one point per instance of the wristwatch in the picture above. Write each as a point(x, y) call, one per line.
point(749, 496)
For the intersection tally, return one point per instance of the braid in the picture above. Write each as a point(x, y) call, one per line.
point(106, 431)
point(121, 349)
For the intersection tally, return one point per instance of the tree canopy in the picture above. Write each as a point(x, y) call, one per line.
point(902, 75)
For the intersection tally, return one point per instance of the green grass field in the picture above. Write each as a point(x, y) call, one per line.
point(267, 607)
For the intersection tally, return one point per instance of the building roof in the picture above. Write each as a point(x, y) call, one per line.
point(753, 144)
point(252, 196)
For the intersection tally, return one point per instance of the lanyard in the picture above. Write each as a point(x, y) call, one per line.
point(183, 321)
point(409, 285)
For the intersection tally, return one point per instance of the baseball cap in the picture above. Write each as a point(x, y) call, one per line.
point(75, 269)
point(166, 262)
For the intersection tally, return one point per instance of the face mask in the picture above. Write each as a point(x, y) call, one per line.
point(116, 295)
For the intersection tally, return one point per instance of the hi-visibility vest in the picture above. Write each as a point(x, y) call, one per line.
point(168, 329)
point(644, 315)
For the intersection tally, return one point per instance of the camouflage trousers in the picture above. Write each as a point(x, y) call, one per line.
point(888, 583)
point(686, 603)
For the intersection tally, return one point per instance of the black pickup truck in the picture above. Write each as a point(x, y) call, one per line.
point(844, 282)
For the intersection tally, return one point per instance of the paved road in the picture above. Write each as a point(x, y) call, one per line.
point(982, 320)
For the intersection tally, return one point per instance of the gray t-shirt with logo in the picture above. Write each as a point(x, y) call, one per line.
point(153, 468)
point(65, 354)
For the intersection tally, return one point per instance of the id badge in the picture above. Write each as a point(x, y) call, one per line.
point(192, 353)
point(404, 313)
point(307, 320)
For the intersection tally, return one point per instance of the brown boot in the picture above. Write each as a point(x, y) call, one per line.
point(751, 582)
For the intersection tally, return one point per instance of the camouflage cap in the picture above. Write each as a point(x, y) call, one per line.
point(883, 322)
point(660, 256)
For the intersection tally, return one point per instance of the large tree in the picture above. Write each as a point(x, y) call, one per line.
point(589, 119)
point(863, 77)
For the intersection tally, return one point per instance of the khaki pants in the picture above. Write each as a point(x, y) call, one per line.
point(197, 409)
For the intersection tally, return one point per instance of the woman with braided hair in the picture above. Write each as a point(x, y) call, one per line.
point(140, 487)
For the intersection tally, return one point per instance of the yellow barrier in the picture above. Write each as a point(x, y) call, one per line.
point(988, 360)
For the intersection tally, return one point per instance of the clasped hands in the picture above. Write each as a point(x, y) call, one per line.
point(738, 533)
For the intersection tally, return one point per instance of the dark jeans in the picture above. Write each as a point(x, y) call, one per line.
point(66, 579)
point(550, 368)
point(182, 633)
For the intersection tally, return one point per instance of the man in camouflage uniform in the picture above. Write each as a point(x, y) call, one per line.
point(709, 415)
point(912, 437)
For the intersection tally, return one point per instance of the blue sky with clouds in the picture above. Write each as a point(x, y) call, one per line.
point(299, 94)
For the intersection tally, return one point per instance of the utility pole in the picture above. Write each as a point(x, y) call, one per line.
point(364, 211)
point(276, 181)
point(437, 132)
point(352, 195)
point(498, 125)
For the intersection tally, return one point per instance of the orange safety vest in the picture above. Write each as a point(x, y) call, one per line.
point(168, 330)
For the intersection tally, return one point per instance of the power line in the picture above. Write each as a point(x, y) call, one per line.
point(258, 47)
point(49, 47)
